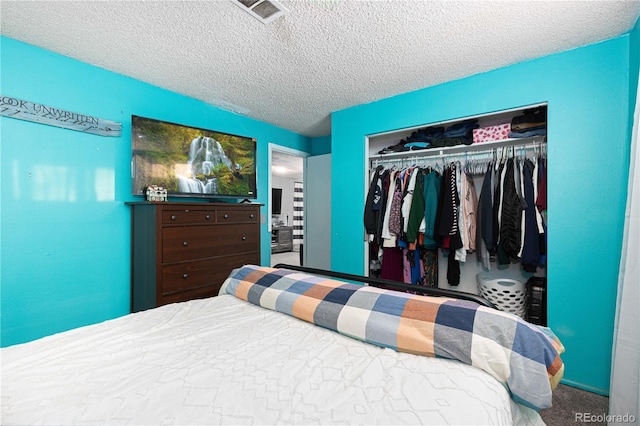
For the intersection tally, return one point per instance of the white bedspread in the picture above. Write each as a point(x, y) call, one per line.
point(225, 361)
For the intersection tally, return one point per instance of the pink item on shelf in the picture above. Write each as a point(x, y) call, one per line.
point(491, 133)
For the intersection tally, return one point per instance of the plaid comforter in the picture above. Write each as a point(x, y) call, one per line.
point(520, 355)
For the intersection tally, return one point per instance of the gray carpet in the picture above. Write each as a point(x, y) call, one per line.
point(572, 406)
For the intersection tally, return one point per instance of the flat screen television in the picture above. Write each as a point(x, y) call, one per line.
point(190, 161)
point(276, 200)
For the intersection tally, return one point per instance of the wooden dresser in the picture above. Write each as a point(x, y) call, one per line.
point(184, 251)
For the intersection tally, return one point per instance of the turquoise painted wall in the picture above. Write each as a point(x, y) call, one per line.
point(65, 229)
point(587, 90)
point(321, 145)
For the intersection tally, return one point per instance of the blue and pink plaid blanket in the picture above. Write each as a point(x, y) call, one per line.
point(518, 354)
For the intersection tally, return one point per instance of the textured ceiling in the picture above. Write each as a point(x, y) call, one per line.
point(323, 56)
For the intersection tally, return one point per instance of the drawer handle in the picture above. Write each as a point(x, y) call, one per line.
point(173, 217)
point(226, 216)
point(185, 276)
point(208, 217)
point(251, 216)
point(244, 238)
point(185, 243)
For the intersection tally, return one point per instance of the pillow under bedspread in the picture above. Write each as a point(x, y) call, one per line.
point(518, 354)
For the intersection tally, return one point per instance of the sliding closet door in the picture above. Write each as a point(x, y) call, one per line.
point(317, 200)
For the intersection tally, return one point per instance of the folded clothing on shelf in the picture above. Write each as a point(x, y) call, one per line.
point(491, 133)
point(426, 135)
point(394, 148)
point(412, 146)
point(533, 131)
point(459, 133)
point(453, 141)
point(419, 139)
point(463, 129)
point(530, 119)
point(436, 136)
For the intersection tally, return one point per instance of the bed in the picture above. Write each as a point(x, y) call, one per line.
point(279, 346)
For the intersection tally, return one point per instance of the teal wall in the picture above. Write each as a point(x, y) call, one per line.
point(587, 91)
point(321, 145)
point(65, 229)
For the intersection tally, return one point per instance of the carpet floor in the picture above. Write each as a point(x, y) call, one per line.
point(573, 406)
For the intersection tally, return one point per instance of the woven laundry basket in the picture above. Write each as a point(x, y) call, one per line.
point(507, 292)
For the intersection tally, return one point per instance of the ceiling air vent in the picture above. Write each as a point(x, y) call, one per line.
point(265, 11)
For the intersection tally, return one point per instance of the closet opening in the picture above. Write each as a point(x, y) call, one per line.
point(461, 205)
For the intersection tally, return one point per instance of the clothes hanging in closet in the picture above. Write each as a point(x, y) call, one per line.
point(447, 226)
point(531, 250)
point(515, 232)
point(510, 216)
point(424, 210)
point(372, 204)
point(484, 220)
point(398, 264)
point(413, 227)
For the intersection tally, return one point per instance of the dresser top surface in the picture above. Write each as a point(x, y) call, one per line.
point(192, 205)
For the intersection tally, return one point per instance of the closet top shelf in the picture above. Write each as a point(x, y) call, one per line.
point(462, 149)
point(455, 137)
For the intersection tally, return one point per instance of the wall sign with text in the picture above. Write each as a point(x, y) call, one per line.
point(39, 113)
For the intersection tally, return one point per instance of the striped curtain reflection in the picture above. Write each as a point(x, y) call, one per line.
point(298, 207)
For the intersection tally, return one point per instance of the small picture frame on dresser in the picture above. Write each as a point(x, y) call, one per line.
point(155, 194)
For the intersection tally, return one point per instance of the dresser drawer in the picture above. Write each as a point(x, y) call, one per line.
point(236, 216)
point(188, 216)
point(200, 242)
point(188, 275)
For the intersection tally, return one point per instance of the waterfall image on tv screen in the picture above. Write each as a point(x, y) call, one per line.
point(190, 161)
